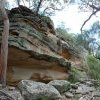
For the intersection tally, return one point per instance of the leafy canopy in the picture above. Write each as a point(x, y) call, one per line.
point(47, 7)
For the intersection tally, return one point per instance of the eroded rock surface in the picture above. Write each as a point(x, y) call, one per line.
point(35, 52)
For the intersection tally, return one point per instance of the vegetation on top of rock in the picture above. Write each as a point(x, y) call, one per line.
point(64, 35)
point(41, 23)
point(43, 7)
point(72, 42)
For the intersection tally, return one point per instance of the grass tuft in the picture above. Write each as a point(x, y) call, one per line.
point(93, 67)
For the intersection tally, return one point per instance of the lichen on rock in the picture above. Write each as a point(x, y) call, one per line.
point(36, 90)
point(34, 48)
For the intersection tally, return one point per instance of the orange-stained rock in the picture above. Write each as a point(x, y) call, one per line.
point(22, 66)
point(35, 52)
point(66, 54)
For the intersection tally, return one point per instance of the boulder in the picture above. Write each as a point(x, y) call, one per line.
point(32, 90)
point(10, 93)
point(68, 95)
point(74, 86)
point(34, 48)
point(60, 85)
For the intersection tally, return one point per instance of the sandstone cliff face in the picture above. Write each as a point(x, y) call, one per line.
point(34, 50)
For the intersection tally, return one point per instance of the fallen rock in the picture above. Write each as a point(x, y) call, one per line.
point(10, 93)
point(68, 95)
point(84, 89)
point(89, 83)
point(60, 85)
point(91, 96)
point(96, 93)
point(74, 86)
point(85, 98)
point(36, 90)
point(63, 97)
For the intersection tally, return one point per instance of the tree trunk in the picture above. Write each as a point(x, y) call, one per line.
point(4, 44)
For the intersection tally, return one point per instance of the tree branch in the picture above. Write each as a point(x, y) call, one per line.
point(87, 20)
point(52, 9)
point(94, 7)
point(95, 10)
point(38, 7)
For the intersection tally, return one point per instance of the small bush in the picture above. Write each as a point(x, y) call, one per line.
point(93, 67)
point(74, 75)
point(46, 98)
point(63, 34)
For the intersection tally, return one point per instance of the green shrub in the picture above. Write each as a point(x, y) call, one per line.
point(63, 34)
point(93, 67)
point(74, 75)
point(46, 98)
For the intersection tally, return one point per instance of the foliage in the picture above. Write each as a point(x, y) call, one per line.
point(97, 55)
point(93, 67)
point(70, 39)
point(85, 41)
point(46, 98)
point(95, 29)
point(44, 7)
point(89, 38)
point(74, 75)
point(93, 5)
point(46, 19)
point(64, 35)
point(85, 4)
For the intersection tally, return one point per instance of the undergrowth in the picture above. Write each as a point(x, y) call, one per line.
point(74, 75)
point(46, 98)
point(93, 67)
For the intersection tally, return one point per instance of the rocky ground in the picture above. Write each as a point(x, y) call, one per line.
point(54, 90)
point(82, 91)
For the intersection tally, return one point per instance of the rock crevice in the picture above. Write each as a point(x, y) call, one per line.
point(34, 48)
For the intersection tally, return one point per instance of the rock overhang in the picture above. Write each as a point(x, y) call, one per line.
point(32, 49)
